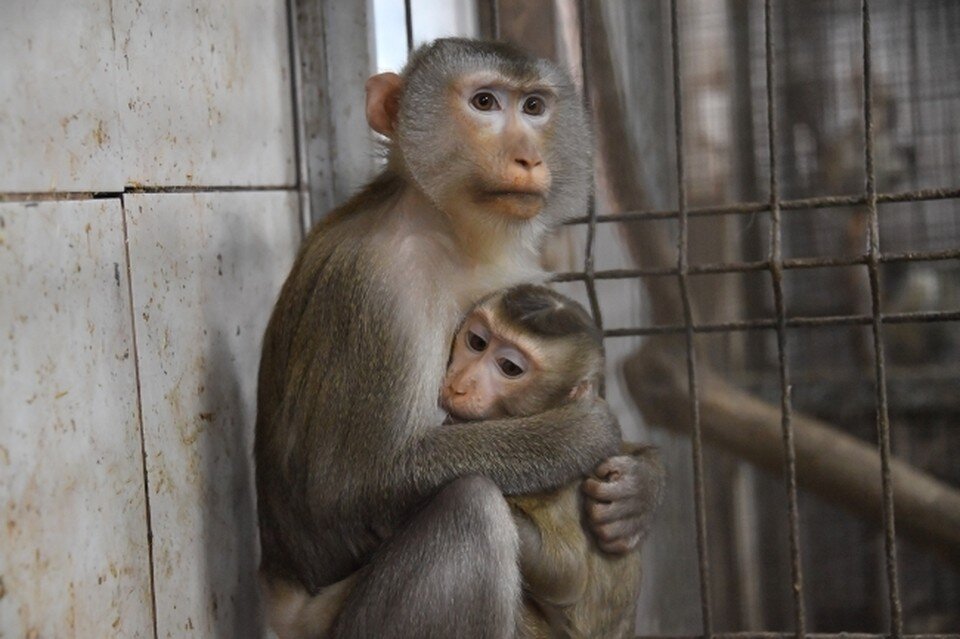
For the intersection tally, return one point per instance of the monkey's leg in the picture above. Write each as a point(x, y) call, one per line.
point(450, 572)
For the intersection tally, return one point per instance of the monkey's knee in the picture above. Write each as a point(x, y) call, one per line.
point(450, 572)
point(477, 504)
point(482, 561)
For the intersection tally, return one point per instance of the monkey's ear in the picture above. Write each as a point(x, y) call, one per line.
point(584, 388)
point(383, 102)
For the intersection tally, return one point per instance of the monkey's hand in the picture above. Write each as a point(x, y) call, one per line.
point(622, 496)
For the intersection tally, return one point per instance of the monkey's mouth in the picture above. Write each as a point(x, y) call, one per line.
point(528, 195)
point(519, 203)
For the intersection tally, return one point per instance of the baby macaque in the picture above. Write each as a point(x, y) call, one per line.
point(520, 352)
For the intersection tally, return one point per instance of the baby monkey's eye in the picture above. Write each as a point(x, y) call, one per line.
point(534, 105)
point(484, 101)
point(508, 368)
point(475, 342)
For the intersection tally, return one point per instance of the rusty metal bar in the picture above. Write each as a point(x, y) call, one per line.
point(776, 275)
point(818, 635)
point(495, 18)
point(873, 266)
point(590, 248)
point(761, 265)
point(748, 208)
point(791, 322)
point(682, 268)
point(408, 22)
point(300, 135)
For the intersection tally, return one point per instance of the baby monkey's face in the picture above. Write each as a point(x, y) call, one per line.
point(489, 366)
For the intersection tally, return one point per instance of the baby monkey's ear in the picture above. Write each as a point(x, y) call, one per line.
point(383, 102)
point(583, 389)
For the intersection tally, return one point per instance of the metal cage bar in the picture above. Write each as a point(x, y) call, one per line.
point(776, 276)
point(300, 135)
point(749, 208)
point(408, 23)
point(762, 265)
point(817, 635)
point(776, 265)
point(495, 18)
point(780, 322)
point(591, 243)
point(682, 275)
point(873, 266)
point(791, 322)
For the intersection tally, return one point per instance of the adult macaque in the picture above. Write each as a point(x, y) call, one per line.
point(356, 477)
point(521, 352)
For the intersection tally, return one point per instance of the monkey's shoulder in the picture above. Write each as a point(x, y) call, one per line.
point(338, 268)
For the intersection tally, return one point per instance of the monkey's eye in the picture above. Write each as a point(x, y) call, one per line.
point(534, 105)
point(476, 342)
point(484, 101)
point(509, 368)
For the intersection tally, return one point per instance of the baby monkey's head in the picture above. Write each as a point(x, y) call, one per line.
point(520, 352)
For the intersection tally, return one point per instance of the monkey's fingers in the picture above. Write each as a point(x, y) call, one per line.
point(617, 538)
point(608, 491)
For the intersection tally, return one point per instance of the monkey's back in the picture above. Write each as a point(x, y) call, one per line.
point(319, 519)
point(607, 603)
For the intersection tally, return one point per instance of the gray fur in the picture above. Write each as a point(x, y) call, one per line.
point(351, 462)
point(423, 119)
point(456, 558)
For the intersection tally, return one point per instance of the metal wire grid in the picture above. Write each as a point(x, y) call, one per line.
point(776, 265)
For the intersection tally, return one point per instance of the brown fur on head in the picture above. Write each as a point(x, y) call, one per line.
point(557, 344)
point(486, 169)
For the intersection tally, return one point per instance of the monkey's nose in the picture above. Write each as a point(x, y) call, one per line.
point(528, 162)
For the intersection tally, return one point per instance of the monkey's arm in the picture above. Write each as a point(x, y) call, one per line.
point(622, 496)
point(345, 440)
point(521, 454)
point(553, 545)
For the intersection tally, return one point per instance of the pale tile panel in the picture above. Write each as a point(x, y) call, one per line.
point(206, 96)
point(206, 271)
point(59, 129)
point(73, 549)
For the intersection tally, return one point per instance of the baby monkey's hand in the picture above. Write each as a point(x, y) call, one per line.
point(622, 496)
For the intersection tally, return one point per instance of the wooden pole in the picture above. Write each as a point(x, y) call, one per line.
point(830, 463)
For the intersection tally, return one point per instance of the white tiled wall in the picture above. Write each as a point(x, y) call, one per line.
point(59, 129)
point(205, 92)
point(74, 560)
point(206, 269)
point(95, 96)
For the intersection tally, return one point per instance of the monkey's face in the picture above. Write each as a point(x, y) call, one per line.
point(489, 133)
point(504, 130)
point(486, 371)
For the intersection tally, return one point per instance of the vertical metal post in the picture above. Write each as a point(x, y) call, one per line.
point(683, 273)
point(495, 18)
point(873, 267)
point(408, 22)
point(299, 139)
point(776, 273)
point(588, 261)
